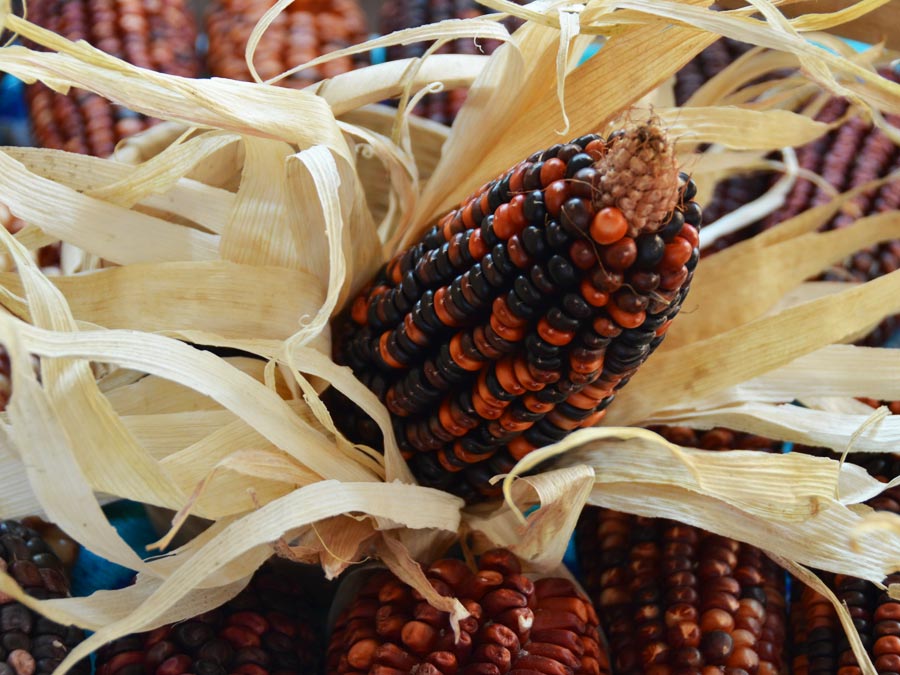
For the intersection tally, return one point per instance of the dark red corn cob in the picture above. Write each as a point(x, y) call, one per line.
point(517, 625)
point(267, 628)
point(674, 599)
point(515, 319)
point(159, 36)
point(820, 646)
point(29, 643)
point(303, 31)
point(718, 438)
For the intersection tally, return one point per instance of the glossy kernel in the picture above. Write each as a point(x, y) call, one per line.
point(608, 226)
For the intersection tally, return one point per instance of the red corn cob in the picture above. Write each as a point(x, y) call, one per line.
point(29, 643)
point(267, 628)
point(516, 318)
point(517, 626)
point(159, 36)
point(304, 31)
point(675, 599)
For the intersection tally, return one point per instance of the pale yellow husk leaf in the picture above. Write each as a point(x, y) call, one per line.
point(250, 222)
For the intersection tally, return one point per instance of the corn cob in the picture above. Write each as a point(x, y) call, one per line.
point(820, 645)
point(159, 36)
point(31, 644)
point(304, 31)
point(399, 14)
point(706, 65)
point(717, 438)
point(516, 318)
point(61, 544)
point(267, 628)
point(849, 156)
point(674, 599)
point(516, 626)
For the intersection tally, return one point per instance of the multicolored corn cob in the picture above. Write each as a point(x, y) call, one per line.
point(516, 318)
point(305, 30)
point(674, 599)
point(399, 14)
point(267, 628)
point(516, 626)
point(820, 645)
point(157, 35)
point(29, 643)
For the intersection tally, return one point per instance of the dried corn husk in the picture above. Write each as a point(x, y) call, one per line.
point(246, 225)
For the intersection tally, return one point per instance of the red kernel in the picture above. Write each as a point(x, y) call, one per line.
point(477, 247)
point(677, 253)
point(552, 170)
point(626, 319)
point(516, 214)
point(608, 226)
point(593, 296)
point(582, 255)
point(503, 225)
point(554, 336)
point(690, 233)
point(554, 196)
point(621, 255)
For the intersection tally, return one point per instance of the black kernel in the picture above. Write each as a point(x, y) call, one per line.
point(580, 161)
point(650, 250)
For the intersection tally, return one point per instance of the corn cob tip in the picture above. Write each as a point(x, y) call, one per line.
point(639, 176)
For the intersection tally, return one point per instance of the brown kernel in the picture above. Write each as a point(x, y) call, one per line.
point(362, 654)
point(680, 613)
point(716, 619)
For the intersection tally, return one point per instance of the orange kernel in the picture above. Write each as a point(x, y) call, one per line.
point(609, 225)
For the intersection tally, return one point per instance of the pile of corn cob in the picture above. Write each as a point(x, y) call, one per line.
point(510, 323)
